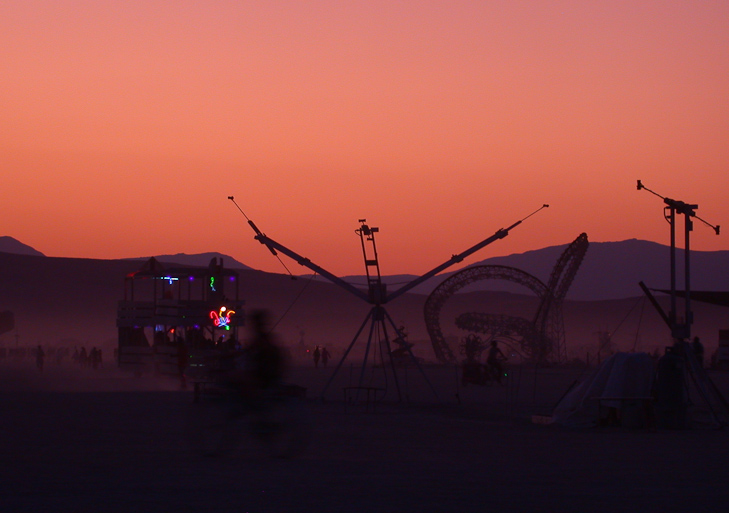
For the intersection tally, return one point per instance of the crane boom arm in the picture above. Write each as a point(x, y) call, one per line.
point(500, 234)
point(655, 304)
point(273, 245)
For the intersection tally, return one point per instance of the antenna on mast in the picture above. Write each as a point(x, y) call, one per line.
point(680, 207)
point(679, 329)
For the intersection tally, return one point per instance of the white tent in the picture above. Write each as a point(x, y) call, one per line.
point(618, 383)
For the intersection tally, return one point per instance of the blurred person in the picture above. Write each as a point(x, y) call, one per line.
point(182, 359)
point(698, 349)
point(316, 355)
point(495, 357)
point(39, 357)
point(265, 356)
point(260, 366)
point(95, 357)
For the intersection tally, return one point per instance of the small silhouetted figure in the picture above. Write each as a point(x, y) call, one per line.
point(182, 357)
point(83, 357)
point(325, 356)
point(317, 355)
point(698, 349)
point(494, 360)
point(39, 357)
point(95, 357)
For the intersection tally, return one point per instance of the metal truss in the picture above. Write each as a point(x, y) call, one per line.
point(542, 337)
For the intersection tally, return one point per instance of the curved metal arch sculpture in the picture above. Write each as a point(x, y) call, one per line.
point(457, 281)
point(540, 338)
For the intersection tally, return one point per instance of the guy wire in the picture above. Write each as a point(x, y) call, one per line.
point(293, 302)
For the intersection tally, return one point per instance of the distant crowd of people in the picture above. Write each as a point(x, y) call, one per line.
point(92, 358)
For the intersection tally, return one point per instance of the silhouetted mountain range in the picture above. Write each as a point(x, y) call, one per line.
point(196, 260)
point(57, 299)
point(11, 245)
point(610, 270)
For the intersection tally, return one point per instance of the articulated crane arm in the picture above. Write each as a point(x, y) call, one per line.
point(273, 245)
point(500, 234)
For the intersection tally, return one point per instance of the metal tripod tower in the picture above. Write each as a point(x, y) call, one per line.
point(377, 316)
point(376, 294)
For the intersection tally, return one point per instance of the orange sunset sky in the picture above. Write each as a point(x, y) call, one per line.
point(126, 124)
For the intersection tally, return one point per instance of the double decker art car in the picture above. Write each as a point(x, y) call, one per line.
point(175, 317)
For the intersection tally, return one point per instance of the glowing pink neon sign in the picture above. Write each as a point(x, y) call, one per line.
point(221, 319)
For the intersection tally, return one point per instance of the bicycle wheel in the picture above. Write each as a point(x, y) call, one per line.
point(284, 427)
point(214, 427)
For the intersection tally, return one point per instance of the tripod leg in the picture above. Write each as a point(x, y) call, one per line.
point(415, 360)
point(367, 352)
point(346, 353)
point(392, 362)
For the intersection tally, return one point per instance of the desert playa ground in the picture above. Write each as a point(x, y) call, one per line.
point(79, 440)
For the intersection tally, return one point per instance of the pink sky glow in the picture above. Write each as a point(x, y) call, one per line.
point(126, 124)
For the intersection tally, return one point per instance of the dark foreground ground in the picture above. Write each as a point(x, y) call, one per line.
point(82, 441)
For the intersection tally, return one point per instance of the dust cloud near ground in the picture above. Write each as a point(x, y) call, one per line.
point(80, 440)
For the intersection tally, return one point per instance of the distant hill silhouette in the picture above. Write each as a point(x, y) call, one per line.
point(14, 246)
point(610, 270)
point(196, 260)
point(57, 299)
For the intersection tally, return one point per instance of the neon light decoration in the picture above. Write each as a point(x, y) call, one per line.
point(212, 283)
point(221, 319)
point(169, 279)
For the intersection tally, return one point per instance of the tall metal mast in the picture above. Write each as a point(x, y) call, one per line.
point(680, 329)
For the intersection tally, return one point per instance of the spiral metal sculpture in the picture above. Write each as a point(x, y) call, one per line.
point(542, 337)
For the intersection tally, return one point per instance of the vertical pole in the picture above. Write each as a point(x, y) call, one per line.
point(672, 313)
point(687, 272)
point(364, 254)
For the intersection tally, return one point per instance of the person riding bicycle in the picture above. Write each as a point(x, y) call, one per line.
point(249, 393)
point(261, 365)
point(496, 356)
